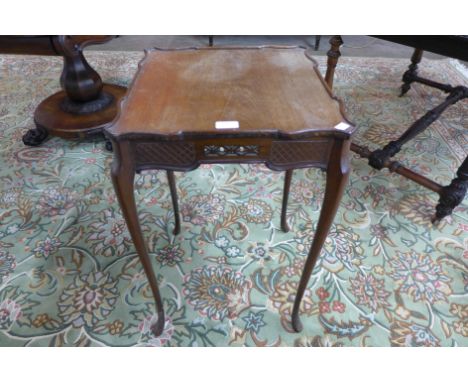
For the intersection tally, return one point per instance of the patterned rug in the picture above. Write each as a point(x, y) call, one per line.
point(69, 274)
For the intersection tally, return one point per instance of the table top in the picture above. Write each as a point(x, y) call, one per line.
point(230, 90)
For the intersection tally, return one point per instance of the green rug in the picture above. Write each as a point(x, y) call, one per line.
point(69, 275)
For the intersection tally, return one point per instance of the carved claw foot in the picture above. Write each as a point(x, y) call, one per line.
point(34, 137)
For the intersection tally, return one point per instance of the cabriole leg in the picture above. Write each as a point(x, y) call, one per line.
point(175, 203)
point(284, 208)
point(337, 177)
point(123, 175)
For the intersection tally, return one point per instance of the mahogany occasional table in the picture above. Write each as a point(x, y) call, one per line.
point(229, 105)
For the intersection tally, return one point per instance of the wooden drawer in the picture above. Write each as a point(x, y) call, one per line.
point(171, 155)
point(289, 154)
point(276, 154)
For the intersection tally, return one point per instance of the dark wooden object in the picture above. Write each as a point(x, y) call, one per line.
point(453, 46)
point(412, 71)
point(316, 45)
point(284, 209)
point(85, 105)
point(317, 42)
point(287, 119)
point(453, 194)
point(333, 56)
point(175, 202)
point(447, 45)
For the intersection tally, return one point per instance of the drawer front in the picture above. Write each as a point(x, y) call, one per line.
point(299, 153)
point(279, 155)
point(165, 154)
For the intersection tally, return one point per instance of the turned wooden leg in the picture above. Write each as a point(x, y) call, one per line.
point(412, 71)
point(175, 203)
point(123, 174)
point(333, 56)
point(378, 157)
point(284, 209)
point(337, 176)
point(453, 194)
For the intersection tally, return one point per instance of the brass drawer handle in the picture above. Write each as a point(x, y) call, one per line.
point(231, 150)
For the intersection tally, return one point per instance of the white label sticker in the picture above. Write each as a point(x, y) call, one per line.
point(342, 126)
point(226, 124)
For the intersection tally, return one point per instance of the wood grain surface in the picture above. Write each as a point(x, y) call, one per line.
point(264, 89)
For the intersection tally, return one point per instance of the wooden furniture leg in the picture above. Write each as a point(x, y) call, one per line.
point(453, 194)
point(317, 42)
point(378, 158)
point(337, 177)
point(284, 209)
point(397, 167)
point(333, 56)
point(408, 76)
point(175, 203)
point(210, 40)
point(123, 174)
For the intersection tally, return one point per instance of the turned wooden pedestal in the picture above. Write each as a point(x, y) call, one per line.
point(85, 105)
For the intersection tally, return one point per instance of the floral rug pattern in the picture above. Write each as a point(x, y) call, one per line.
point(69, 274)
